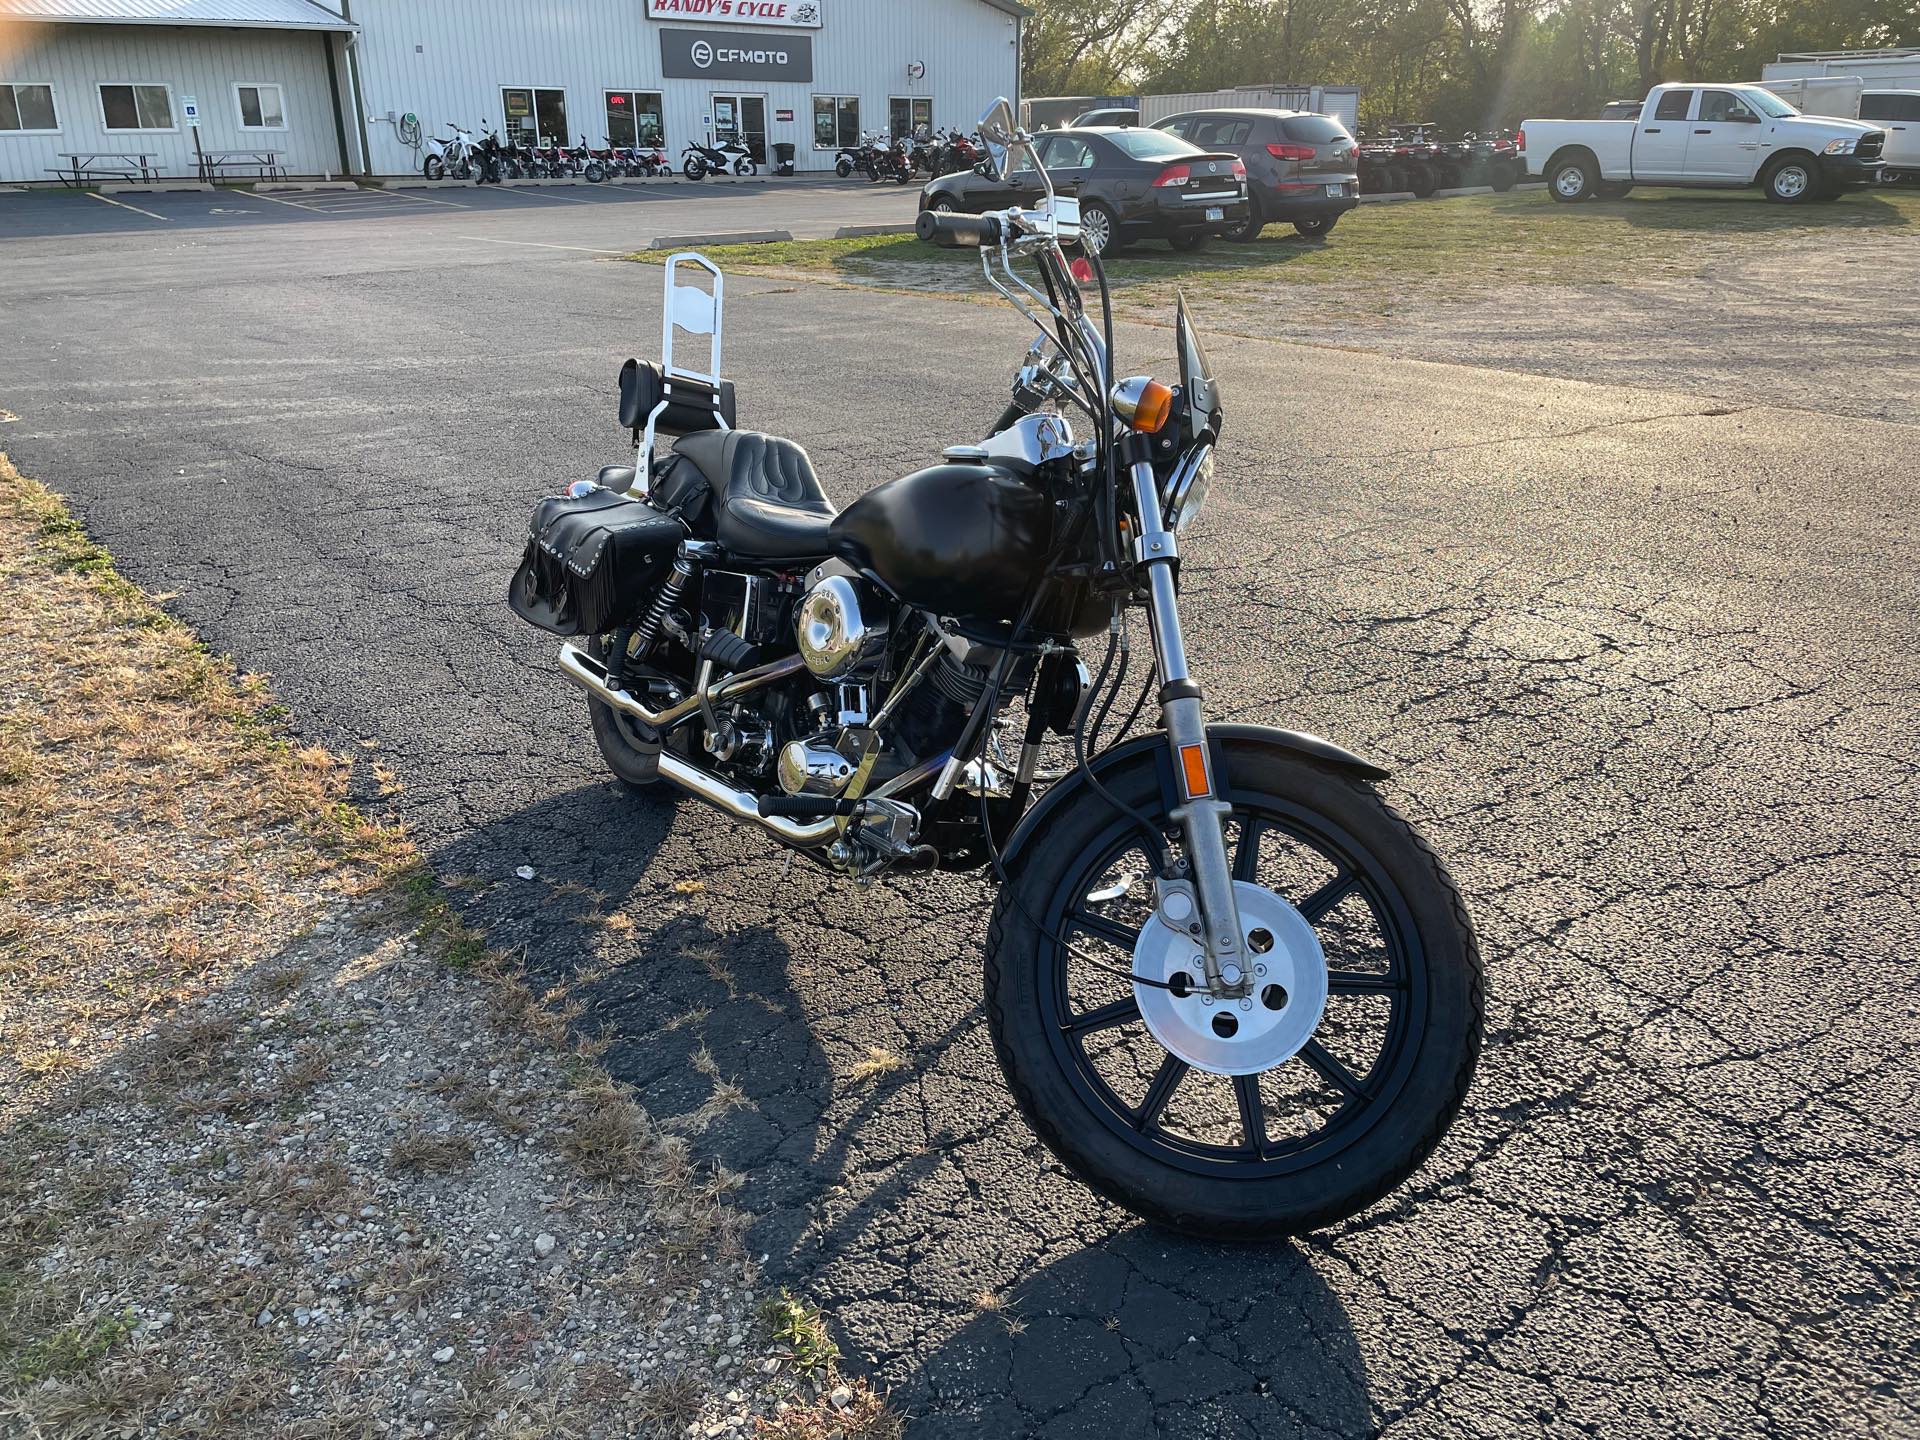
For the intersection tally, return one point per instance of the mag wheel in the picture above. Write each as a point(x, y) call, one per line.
point(1298, 1106)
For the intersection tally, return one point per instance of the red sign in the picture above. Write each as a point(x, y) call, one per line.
point(783, 115)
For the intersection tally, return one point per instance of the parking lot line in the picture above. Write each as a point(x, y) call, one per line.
point(424, 199)
point(124, 206)
point(541, 195)
point(543, 245)
point(296, 204)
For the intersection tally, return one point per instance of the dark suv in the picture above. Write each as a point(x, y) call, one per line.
point(1302, 169)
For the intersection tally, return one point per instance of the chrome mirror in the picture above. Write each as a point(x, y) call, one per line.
point(999, 132)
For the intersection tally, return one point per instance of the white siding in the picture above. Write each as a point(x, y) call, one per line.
point(204, 63)
point(447, 60)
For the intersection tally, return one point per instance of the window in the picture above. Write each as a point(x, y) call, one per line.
point(1151, 144)
point(1220, 132)
point(1315, 130)
point(260, 107)
point(27, 108)
point(1673, 105)
point(908, 116)
point(836, 122)
point(137, 107)
point(1066, 152)
point(1721, 106)
point(1768, 103)
point(1178, 126)
point(633, 118)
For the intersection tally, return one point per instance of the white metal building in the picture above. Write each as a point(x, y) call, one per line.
point(355, 86)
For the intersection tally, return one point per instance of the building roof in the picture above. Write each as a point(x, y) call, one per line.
point(1011, 7)
point(241, 14)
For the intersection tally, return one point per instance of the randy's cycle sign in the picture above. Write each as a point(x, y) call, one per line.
point(799, 14)
point(719, 55)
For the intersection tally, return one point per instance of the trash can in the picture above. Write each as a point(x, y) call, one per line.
point(782, 158)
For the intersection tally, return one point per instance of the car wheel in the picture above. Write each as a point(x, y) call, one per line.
point(1097, 229)
point(1248, 229)
point(1316, 228)
point(942, 206)
point(1189, 240)
point(1790, 181)
point(1571, 179)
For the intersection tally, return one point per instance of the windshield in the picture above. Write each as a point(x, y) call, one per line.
point(1196, 375)
point(1768, 103)
point(1151, 144)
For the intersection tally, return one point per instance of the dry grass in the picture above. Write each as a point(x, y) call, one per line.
point(878, 1061)
point(430, 1151)
point(853, 1410)
point(150, 806)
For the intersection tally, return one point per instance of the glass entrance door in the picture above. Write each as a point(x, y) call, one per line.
point(742, 118)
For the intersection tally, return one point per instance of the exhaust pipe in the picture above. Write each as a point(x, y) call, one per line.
point(586, 672)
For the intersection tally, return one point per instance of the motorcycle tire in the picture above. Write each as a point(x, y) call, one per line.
point(1315, 1138)
point(695, 168)
point(843, 167)
point(595, 172)
point(901, 177)
point(620, 744)
point(434, 168)
point(744, 168)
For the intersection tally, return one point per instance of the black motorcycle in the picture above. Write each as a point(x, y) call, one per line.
point(1228, 985)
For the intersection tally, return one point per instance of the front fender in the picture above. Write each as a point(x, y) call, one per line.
point(1151, 748)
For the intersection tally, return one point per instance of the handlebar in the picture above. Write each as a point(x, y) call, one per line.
point(958, 232)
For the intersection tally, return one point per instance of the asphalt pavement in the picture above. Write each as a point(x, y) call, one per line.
point(1641, 661)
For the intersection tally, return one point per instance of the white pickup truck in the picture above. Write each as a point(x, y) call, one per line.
point(1714, 136)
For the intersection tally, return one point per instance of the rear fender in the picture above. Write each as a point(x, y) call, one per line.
point(1151, 750)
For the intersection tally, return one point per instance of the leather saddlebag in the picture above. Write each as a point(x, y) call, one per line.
point(592, 564)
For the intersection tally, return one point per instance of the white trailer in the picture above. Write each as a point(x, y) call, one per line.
point(1821, 95)
point(1896, 69)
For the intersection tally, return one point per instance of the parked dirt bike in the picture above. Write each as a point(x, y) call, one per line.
point(1228, 985)
point(728, 155)
point(454, 159)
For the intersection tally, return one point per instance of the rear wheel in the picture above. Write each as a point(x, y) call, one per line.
point(843, 167)
point(1314, 228)
point(1571, 178)
point(434, 168)
point(1098, 229)
point(1354, 1052)
point(695, 168)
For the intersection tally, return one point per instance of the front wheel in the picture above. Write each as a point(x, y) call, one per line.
point(1790, 181)
point(743, 166)
point(1296, 1107)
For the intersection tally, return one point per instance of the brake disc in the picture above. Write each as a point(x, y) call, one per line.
point(1244, 1036)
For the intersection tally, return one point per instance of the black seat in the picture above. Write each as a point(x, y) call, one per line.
point(768, 502)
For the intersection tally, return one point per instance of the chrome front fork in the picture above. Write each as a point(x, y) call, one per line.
point(1215, 923)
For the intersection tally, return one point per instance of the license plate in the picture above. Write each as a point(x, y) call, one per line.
point(1216, 212)
point(1336, 189)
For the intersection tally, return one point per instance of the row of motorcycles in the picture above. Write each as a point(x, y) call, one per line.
point(1412, 158)
point(489, 160)
point(885, 157)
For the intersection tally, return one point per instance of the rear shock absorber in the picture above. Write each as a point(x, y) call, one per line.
point(638, 639)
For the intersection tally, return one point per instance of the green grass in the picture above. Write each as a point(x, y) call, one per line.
point(1477, 242)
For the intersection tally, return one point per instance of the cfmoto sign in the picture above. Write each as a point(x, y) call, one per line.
point(718, 55)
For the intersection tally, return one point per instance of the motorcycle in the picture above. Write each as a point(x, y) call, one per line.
point(728, 155)
point(889, 160)
point(455, 157)
point(1226, 983)
point(959, 154)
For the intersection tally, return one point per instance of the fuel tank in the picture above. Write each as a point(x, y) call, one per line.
point(960, 540)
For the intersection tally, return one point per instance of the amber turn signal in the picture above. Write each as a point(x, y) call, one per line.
point(1144, 404)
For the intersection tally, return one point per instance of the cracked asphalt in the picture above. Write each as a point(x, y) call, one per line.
point(1642, 661)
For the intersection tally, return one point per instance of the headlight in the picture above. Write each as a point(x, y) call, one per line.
point(1187, 489)
point(1840, 147)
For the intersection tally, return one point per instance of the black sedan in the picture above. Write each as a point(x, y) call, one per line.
point(1131, 184)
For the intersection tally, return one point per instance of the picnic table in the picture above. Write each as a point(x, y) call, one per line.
point(85, 165)
point(264, 163)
